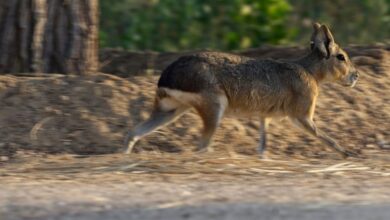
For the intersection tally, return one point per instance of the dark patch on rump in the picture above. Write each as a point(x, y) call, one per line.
point(189, 74)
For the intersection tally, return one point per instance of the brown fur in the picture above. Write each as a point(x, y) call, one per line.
point(218, 83)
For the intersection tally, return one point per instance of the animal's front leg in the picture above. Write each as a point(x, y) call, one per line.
point(308, 125)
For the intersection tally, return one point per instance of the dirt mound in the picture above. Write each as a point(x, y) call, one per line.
point(91, 114)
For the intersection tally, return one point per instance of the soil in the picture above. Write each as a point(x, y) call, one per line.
point(61, 139)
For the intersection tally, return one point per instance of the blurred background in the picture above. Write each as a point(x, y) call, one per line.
point(64, 36)
point(171, 25)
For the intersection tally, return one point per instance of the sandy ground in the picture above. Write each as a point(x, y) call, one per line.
point(60, 138)
point(187, 186)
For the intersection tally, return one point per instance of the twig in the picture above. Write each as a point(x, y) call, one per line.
point(36, 127)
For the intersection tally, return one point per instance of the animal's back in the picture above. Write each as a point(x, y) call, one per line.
point(194, 73)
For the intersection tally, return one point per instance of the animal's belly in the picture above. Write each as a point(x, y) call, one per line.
point(233, 111)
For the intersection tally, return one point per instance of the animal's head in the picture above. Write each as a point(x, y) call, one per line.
point(335, 65)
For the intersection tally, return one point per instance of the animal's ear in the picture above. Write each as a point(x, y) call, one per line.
point(322, 40)
point(316, 27)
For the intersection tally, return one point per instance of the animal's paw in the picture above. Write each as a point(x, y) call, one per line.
point(202, 150)
point(264, 156)
point(347, 154)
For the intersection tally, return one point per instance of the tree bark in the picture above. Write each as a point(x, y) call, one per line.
point(49, 36)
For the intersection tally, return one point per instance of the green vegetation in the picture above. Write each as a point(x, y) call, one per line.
point(171, 25)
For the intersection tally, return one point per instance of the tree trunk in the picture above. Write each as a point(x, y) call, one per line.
point(47, 36)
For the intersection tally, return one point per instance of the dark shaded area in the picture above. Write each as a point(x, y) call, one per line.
point(126, 63)
point(212, 211)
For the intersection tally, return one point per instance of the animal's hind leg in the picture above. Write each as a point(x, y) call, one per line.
point(263, 135)
point(157, 119)
point(211, 112)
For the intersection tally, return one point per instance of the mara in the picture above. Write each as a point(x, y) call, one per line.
point(216, 84)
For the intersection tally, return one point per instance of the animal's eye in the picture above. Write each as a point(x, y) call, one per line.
point(340, 57)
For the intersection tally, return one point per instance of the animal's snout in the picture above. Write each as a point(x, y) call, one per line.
point(352, 79)
point(355, 76)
